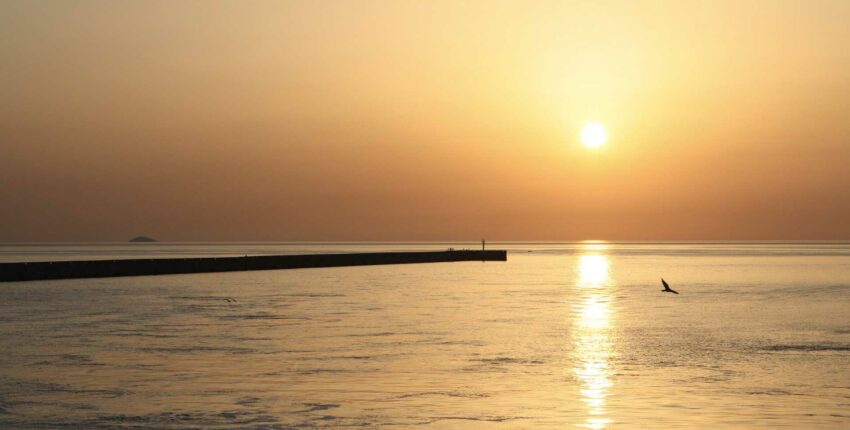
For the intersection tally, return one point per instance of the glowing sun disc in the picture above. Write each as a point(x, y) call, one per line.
point(593, 135)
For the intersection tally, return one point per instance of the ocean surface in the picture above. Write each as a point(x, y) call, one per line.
point(571, 335)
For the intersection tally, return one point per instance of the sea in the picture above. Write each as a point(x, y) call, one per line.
point(561, 335)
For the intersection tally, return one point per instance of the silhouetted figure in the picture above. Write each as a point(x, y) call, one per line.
point(667, 288)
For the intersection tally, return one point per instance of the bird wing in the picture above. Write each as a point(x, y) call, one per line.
point(666, 287)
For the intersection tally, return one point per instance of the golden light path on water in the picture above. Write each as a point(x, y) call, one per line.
point(592, 333)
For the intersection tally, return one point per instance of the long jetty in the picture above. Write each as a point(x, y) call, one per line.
point(34, 271)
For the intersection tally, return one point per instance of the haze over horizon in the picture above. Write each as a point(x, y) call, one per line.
point(255, 120)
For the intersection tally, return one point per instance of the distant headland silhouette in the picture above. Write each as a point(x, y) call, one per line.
point(143, 239)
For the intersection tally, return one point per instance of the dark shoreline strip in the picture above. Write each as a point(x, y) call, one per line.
point(11, 272)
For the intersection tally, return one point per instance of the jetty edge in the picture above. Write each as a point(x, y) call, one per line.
point(43, 270)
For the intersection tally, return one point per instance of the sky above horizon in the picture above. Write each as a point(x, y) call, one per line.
point(384, 120)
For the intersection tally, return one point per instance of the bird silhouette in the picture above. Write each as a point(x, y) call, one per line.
point(667, 288)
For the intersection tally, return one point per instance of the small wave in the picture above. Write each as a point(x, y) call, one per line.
point(809, 347)
point(318, 371)
point(499, 364)
point(383, 333)
point(312, 295)
point(12, 385)
point(151, 334)
point(255, 419)
point(258, 316)
point(770, 392)
point(461, 394)
point(498, 360)
point(313, 407)
point(495, 419)
point(451, 342)
point(354, 357)
point(207, 298)
point(194, 349)
point(808, 290)
point(247, 401)
point(68, 360)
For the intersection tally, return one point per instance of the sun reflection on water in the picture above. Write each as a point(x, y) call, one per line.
point(593, 340)
point(592, 271)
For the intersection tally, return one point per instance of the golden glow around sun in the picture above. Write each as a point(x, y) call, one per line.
point(593, 135)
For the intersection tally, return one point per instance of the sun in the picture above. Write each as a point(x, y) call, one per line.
point(593, 135)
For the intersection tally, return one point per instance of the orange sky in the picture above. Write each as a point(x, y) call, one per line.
point(363, 120)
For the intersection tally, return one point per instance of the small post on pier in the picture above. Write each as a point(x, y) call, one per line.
point(482, 250)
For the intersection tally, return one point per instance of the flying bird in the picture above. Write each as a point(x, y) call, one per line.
point(667, 288)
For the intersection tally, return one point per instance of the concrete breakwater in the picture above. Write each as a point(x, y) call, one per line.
point(10, 272)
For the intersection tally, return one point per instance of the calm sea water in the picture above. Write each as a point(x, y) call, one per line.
point(559, 336)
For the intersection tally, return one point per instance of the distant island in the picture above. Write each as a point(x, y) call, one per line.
point(143, 239)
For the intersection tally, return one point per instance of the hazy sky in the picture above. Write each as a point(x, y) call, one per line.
point(415, 120)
